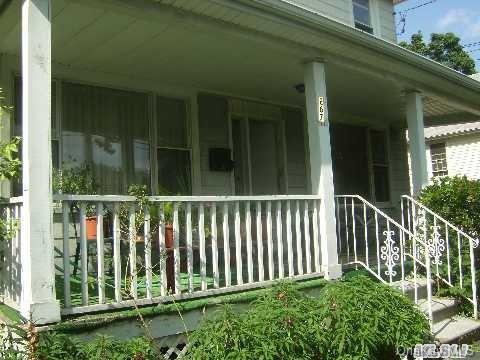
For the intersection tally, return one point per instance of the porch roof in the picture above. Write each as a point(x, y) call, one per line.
point(251, 48)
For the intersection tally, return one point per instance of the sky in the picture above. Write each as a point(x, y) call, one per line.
point(461, 17)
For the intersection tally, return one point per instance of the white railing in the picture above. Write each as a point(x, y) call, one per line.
point(450, 248)
point(369, 237)
point(10, 264)
point(117, 251)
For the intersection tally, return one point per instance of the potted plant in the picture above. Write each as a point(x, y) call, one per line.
point(77, 181)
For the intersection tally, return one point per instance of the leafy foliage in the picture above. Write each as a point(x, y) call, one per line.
point(53, 346)
point(74, 181)
point(456, 199)
point(10, 163)
point(351, 319)
point(443, 48)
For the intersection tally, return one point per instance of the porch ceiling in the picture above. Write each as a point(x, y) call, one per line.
point(180, 49)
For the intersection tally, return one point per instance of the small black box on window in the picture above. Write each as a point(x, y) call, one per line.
point(220, 159)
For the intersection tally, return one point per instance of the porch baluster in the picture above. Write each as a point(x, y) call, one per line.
point(259, 241)
point(66, 253)
point(226, 246)
point(298, 238)
point(188, 229)
point(176, 248)
point(316, 239)
point(281, 272)
point(248, 230)
point(100, 255)
point(162, 249)
point(148, 253)
point(117, 256)
point(289, 240)
point(84, 253)
point(201, 236)
point(306, 230)
point(238, 244)
point(213, 224)
point(132, 237)
point(271, 274)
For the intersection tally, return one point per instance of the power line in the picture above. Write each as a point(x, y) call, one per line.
point(471, 44)
point(403, 15)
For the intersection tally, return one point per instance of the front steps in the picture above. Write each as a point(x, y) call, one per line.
point(448, 326)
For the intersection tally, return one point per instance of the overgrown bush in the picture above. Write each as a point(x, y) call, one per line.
point(59, 346)
point(456, 199)
point(351, 319)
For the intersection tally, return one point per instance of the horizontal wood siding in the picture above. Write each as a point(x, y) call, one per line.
point(463, 156)
point(386, 20)
point(214, 133)
point(339, 10)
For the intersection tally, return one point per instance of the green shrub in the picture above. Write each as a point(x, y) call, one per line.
point(352, 319)
point(457, 199)
point(54, 346)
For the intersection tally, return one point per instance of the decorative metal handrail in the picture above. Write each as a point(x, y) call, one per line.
point(437, 236)
point(354, 211)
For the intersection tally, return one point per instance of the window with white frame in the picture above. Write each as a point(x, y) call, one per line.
point(362, 15)
point(173, 150)
point(438, 155)
point(380, 167)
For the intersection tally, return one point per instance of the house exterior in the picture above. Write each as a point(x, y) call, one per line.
point(270, 135)
point(453, 150)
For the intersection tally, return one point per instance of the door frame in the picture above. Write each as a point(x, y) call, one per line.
point(281, 148)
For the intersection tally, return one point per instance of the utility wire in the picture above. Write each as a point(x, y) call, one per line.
point(471, 44)
point(403, 15)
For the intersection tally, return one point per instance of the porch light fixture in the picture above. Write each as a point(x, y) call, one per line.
point(300, 88)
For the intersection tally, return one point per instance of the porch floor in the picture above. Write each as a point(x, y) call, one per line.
point(76, 289)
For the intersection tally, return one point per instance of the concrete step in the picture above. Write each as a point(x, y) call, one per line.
point(456, 330)
point(442, 308)
point(409, 286)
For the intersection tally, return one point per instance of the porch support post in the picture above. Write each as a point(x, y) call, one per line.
point(416, 137)
point(321, 173)
point(38, 303)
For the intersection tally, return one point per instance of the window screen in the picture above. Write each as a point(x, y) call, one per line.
point(173, 151)
point(438, 154)
point(361, 14)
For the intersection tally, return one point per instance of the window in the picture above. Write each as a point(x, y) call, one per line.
point(438, 155)
point(173, 152)
point(107, 129)
point(362, 15)
point(380, 165)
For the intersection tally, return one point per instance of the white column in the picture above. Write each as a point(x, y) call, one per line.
point(321, 172)
point(38, 277)
point(416, 135)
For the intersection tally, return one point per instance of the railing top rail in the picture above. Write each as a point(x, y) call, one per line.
point(440, 218)
point(377, 210)
point(12, 200)
point(125, 198)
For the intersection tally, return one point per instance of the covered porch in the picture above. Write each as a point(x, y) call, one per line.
point(229, 127)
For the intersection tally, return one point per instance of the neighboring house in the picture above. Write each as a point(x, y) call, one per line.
point(453, 150)
point(223, 102)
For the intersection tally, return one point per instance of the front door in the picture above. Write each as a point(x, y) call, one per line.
point(257, 155)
